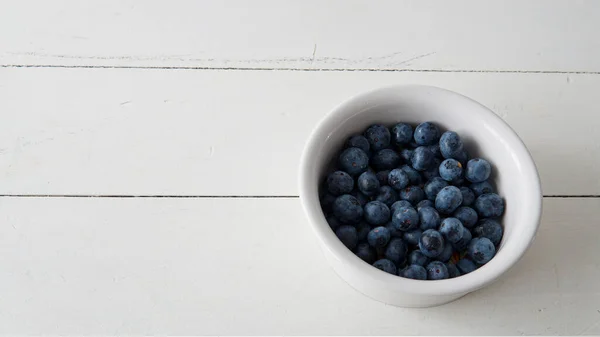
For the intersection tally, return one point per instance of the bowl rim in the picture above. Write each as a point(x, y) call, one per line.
point(512, 251)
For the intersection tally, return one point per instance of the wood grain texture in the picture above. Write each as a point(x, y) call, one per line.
point(99, 266)
point(211, 118)
point(560, 35)
point(180, 132)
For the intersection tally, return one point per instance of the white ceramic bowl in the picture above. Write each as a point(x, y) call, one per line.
point(483, 133)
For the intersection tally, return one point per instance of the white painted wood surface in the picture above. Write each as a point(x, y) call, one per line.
point(359, 34)
point(193, 132)
point(221, 87)
point(139, 266)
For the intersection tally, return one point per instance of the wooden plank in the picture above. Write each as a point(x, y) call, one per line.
point(143, 266)
point(358, 34)
point(148, 132)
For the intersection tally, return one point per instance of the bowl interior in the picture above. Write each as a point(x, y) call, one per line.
point(483, 133)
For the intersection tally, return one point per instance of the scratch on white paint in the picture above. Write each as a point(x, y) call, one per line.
point(555, 269)
point(323, 60)
point(590, 327)
point(108, 58)
point(415, 58)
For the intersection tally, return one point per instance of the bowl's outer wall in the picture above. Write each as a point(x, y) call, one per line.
point(485, 134)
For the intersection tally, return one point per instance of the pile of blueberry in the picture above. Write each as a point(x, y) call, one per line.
point(411, 202)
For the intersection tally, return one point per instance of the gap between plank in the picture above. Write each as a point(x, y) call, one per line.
point(118, 196)
point(302, 69)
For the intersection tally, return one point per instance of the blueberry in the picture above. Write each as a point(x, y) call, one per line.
point(406, 154)
point(384, 173)
point(327, 203)
point(413, 194)
point(425, 203)
point(435, 149)
point(481, 250)
point(451, 170)
point(412, 237)
point(378, 237)
point(478, 170)
point(333, 222)
point(348, 236)
point(387, 195)
point(402, 264)
point(465, 266)
point(323, 186)
point(452, 270)
point(362, 199)
point(413, 175)
point(376, 213)
point(347, 209)
point(360, 142)
point(466, 215)
point(426, 134)
point(382, 176)
point(489, 205)
point(433, 171)
point(354, 161)
point(468, 196)
point(429, 218)
point(402, 133)
point(415, 272)
point(378, 137)
point(398, 179)
point(490, 229)
point(481, 188)
point(366, 253)
point(431, 243)
point(459, 182)
point(422, 158)
point(339, 182)
point(448, 199)
point(385, 159)
point(436, 270)
point(396, 251)
point(446, 254)
point(416, 257)
point(362, 230)
point(463, 157)
point(452, 229)
point(393, 231)
point(368, 183)
point(400, 204)
point(385, 265)
point(433, 187)
point(450, 145)
point(462, 244)
point(405, 219)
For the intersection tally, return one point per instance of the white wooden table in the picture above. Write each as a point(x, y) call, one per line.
point(139, 193)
